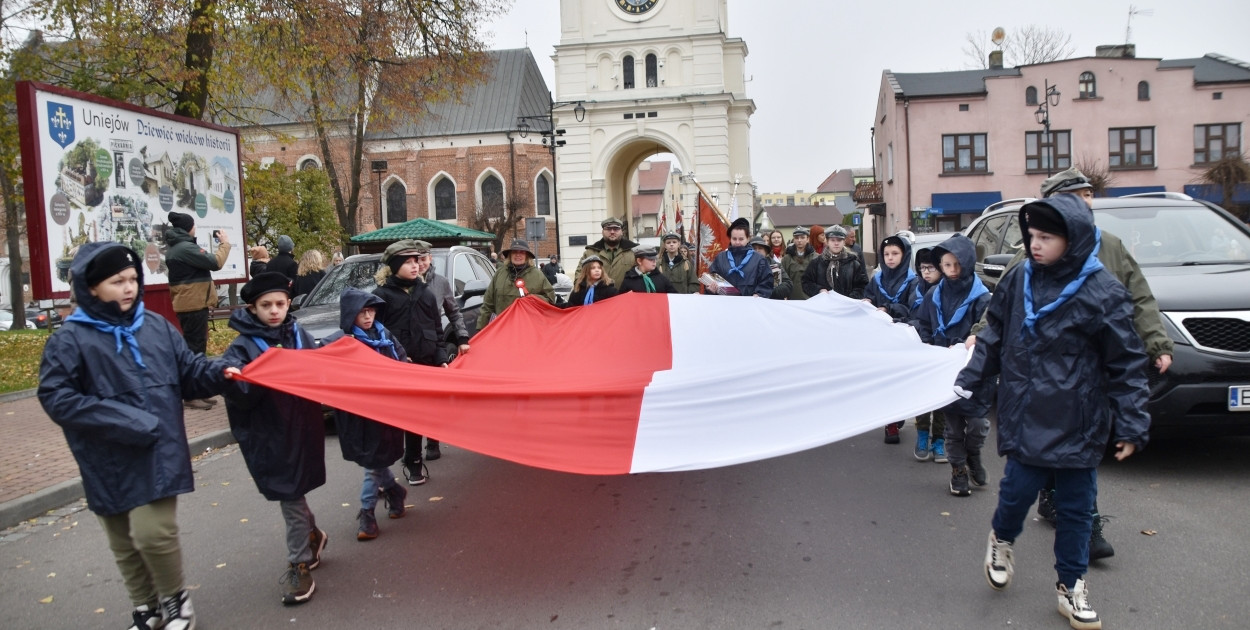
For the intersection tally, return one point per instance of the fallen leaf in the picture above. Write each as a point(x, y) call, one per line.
point(213, 504)
point(946, 513)
point(225, 483)
point(52, 575)
point(99, 610)
point(221, 565)
point(46, 600)
point(436, 498)
point(1149, 532)
point(347, 505)
point(242, 520)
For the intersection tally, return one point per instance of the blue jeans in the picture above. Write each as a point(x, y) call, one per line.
point(375, 478)
point(1075, 492)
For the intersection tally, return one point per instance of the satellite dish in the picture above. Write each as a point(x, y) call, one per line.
point(998, 36)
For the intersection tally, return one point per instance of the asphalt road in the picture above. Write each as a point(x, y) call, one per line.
point(852, 535)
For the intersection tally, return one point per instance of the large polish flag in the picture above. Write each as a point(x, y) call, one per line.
point(642, 382)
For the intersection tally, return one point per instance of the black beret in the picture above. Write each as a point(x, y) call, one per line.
point(263, 283)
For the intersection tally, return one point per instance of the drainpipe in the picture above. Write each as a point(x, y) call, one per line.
point(512, 184)
point(907, 144)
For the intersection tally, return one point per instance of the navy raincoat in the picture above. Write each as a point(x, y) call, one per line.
point(894, 289)
point(755, 276)
point(1079, 378)
point(282, 437)
point(367, 442)
point(123, 422)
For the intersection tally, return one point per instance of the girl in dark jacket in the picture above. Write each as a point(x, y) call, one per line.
point(282, 437)
point(373, 445)
point(892, 288)
point(312, 268)
point(592, 285)
point(114, 378)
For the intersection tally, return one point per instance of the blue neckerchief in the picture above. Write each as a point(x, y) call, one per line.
point(978, 289)
point(119, 332)
point(590, 295)
point(260, 342)
point(897, 294)
point(738, 267)
point(1092, 265)
point(383, 340)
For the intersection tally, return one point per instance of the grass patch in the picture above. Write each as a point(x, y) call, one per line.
point(21, 351)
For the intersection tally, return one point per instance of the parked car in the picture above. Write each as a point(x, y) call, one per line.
point(1196, 257)
point(471, 271)
point(6, 321)
point(42, 318)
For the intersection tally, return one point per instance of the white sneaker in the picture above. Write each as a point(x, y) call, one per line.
point(179, 615)
point(1074, 605)
point(999, 565)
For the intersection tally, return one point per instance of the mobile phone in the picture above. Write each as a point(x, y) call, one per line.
point(216, 238)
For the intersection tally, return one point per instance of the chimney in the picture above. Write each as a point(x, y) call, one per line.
point(996, 60)
point(1127, 51)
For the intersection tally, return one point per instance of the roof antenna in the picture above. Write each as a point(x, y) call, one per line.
point(1128, 28)
point(527, 38)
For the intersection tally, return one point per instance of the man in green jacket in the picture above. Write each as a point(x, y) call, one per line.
point(191, 284)
point(613, 249)
point(798, 256)
point(503, 289)
point(677, 268)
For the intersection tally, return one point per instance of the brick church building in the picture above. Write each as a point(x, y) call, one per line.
point(462, 158)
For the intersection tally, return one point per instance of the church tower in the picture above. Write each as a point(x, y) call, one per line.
point(653, 76)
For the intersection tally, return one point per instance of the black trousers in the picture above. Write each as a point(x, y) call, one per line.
point(195, 329)
point(412, 448)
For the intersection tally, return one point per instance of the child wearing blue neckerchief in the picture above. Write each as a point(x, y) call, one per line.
point(945, 319)
point(282, 437)
point(890, 290)
point(114, 378)
point(1059, 337)
point(930, 426)
point(372, 445)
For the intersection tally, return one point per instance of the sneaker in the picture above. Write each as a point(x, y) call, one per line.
point(432, 452)
point(922, 452)
point(999, 565)
point(891, 433)
point(1099, 548)
point(198, 405)
point(416, 474)
point(298, 585)
point(959, 481)
point(1074, 605)
point(368, 525)
point(317, 539)
point(146, 617)
point(209, 401)
point(939, 451)
point(1046, 505)
point(394, 499)
point(976, 472)
point(179, 615)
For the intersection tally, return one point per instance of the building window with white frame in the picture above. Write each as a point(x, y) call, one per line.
point(964, 153)
point(1088, 85)
point(542, 196)
point(627, 71)
point(491, 194)
point(1042, 153)
point(1131, 147)
point(396, 203)
point(652, 71)
point(445, 200)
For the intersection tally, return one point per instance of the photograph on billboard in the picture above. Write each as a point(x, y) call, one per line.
point(107, 171)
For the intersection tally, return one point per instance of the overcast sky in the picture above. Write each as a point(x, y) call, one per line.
point(815, 65)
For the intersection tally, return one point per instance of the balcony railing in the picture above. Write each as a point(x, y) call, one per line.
point(867, 192)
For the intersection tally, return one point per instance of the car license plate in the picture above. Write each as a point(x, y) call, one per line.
point(1239, 398)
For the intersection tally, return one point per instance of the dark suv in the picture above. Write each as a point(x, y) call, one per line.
point(1196, 257)
point(470, 274)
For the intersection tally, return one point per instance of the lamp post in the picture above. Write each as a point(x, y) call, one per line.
point(1050, 98)
point(552, 139)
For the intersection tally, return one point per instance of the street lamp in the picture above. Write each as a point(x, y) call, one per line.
point(1050, 98)
point(552, 139)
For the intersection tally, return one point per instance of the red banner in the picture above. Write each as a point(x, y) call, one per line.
point(711, 237)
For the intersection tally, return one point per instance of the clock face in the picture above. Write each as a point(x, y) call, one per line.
point(635, 7)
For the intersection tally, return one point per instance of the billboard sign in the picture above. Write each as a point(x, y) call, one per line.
point(102, 170)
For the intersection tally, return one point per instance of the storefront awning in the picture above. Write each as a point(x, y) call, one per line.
point(962, 203)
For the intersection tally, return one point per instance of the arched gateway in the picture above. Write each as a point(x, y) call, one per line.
point(653, 76)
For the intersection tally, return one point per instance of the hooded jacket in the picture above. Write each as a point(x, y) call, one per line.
point(282, 437)
point(615, 261)
point(634, 282)
point(756, 278)
point(123, 422)
point(411, 315)
point(368, 443)
point(503, 291)
point(843, 274)
point(1078, 380)
point(680, 272)
point(794, 264)
point(894, 289)
point(190, 271)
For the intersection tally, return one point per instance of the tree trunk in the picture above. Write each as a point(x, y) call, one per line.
point(193, 97)
point(13, 236)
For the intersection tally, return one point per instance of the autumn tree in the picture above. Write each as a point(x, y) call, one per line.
point(1021, 46)
point(1100, 177)
point(500, 218)
point(1230, 173)
point(295, 203)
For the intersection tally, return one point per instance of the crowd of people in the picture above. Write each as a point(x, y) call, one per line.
point(1061, 346)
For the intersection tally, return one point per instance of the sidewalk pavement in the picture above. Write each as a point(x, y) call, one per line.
point(37, 471)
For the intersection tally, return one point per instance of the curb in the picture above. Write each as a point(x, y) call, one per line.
point(37, 503)
point(18, 395)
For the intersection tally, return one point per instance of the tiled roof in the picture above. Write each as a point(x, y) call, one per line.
point(423, 229)
point(838, 181)
point(791, 216)
point(655, 179)
point(646, 204)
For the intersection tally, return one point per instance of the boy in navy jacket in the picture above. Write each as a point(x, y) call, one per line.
point(373, 445)
point(114, 377)
point(1072, 373)
point(946, 317)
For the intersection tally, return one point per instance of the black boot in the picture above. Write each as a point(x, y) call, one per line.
point(1046, 505)
point(976, 472)
point(1099, 548)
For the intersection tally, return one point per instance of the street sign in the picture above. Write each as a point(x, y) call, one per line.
point(536, 228)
